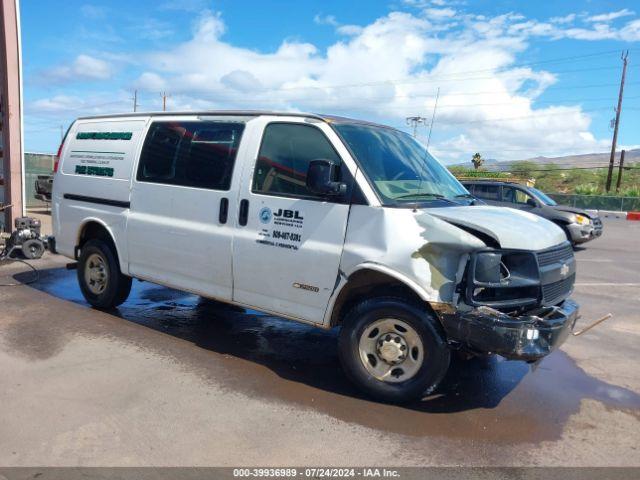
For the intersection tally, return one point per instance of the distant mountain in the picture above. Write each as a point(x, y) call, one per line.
point(588, 159)
point(582, 160)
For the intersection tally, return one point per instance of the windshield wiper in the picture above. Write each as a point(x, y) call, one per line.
point(469, 196)
point(437, 196)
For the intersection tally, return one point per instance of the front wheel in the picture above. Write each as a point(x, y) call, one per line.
point(102, 283)
point(393, 350)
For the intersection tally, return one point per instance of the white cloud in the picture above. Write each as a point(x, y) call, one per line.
point(385, 71)
point(326, 20)
point(607, 17)
point(401, 47)
point(151, 29)
point(439, 13)
point(349, 30)
point(563, 20)
point(83, 68)
point(150, 81)
point(56, 103)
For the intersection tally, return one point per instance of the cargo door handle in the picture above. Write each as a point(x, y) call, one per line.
point(224, 210)
point(244, 212)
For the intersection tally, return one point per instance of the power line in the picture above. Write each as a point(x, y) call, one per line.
point(524, 117)
point(408, 96)
point(433, 117)
point(432, 79)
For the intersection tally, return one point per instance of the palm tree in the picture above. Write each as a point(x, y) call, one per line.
point(477, 160)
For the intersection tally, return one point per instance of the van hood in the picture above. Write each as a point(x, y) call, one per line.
point(510, 227)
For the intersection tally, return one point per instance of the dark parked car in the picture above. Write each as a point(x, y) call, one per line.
point(43, 187)
point(578, 225)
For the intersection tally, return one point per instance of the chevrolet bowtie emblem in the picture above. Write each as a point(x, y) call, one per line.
point(564, 270)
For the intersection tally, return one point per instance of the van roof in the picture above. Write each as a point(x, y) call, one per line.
point(246, 113)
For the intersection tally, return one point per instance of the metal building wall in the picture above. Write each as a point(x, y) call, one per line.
point(11, 114)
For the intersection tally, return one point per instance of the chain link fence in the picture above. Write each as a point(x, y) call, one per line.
point(598, 202)
point(36, 164)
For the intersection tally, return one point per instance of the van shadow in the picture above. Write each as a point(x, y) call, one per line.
point(294, 351)
point(492, 399)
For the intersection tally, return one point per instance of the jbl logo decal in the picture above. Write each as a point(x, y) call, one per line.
point(288, 214)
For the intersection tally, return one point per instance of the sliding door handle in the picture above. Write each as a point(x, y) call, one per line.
point(244, 212)
point(224, 210)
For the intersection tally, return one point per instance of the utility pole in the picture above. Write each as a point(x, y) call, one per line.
point(415, 121)
point(135, 100)
point(433, 117)
point(164, 101)
point(61, 133)
point(615, 128)
point(620, 171)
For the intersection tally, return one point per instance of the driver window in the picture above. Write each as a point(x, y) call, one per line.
point(522, 197)
point(508, 194)
point(285, 154)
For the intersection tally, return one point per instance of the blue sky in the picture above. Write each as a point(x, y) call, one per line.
point(516, 79)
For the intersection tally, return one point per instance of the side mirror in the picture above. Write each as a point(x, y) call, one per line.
point(321, 178)
point(531, 202)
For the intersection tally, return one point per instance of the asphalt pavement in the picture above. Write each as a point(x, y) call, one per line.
point(170, 379)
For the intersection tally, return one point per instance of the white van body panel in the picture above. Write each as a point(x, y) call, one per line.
point(174, 234)
point(293, 277)
point(83, 153)
point(409, 245)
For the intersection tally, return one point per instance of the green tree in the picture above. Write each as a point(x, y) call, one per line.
point(477, 160)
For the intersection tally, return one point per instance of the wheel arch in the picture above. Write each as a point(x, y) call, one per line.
point(371, 280)
point(92, 228)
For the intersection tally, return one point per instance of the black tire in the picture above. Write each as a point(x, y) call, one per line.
point(32, 249)
point(435, 359)
point(117, 286)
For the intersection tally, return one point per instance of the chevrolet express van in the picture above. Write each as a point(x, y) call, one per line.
point(324, 220)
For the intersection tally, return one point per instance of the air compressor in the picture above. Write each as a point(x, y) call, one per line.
point(25, 240)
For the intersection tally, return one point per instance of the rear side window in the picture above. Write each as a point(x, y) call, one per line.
point(191, 154)
point(285, 154)
point(489, 192)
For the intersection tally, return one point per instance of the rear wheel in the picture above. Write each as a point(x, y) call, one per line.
point(392, 350)
point(102, 283)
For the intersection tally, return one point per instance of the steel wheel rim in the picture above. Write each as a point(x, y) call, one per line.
point(96, 274)
point(391, 350)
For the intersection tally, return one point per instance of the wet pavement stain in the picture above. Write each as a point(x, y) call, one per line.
point(34, 339)
point(490, 400)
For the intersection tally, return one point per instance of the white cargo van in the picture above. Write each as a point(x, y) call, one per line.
point(323, 220)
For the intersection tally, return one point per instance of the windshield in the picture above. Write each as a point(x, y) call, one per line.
point(400, 168)
point(543, 197)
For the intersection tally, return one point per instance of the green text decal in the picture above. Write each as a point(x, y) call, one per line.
point(100, 171)
point(104, 135)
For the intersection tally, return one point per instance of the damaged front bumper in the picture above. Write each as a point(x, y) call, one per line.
point(527, 337)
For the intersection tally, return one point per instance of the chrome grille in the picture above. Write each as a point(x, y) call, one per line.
point(555, 255)
point(553, 293)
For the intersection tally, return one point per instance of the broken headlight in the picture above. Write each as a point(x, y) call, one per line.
point(503, 279)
